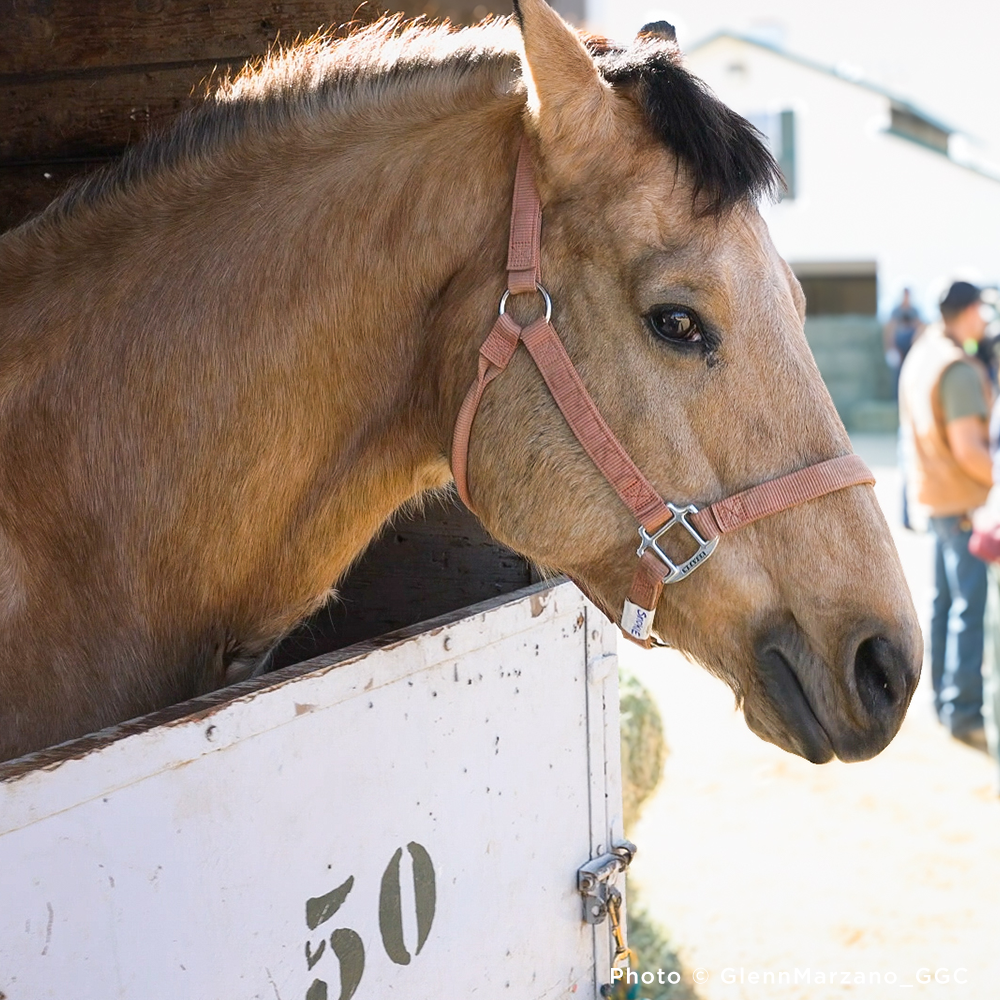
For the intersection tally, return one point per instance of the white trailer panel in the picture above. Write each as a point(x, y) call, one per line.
point(403, 818)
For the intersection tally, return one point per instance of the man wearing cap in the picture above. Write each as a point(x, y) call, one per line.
point(944, 404)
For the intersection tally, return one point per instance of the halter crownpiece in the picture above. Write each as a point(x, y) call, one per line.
point(656, 517)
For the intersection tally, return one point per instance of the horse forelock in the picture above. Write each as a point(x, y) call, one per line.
point(727, 158)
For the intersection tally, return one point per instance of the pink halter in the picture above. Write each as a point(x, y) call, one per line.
point(656, 517)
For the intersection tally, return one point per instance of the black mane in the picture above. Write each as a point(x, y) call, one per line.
point(728, 159)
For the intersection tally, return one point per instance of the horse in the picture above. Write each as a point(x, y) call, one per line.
point(228, 359)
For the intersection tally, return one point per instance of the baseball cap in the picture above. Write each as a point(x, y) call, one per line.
point(959, 297)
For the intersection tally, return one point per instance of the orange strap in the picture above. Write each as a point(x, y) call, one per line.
point(735, 512)
point(790, 490)
point(524, 259)
point(654, 515)
point(494, 356)
point(586, 422)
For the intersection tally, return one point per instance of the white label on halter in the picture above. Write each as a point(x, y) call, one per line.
point(636, 621)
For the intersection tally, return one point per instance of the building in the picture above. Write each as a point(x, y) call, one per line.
point(880, 196)
point(878, 189)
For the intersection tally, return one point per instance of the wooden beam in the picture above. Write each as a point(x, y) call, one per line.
point(82, 79)
point(95, 116)
point(45, 36)
point(26, 190)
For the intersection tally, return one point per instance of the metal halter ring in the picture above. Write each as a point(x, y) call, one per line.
point(544, 294)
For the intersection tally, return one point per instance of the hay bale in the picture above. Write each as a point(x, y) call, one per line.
point(644, 748)
point(644, 751)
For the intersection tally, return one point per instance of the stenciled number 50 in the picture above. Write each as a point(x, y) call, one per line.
point(348, 946)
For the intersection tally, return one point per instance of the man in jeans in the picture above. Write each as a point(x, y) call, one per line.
point(944, 402)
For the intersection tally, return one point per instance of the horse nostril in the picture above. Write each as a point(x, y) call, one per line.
point(880, 676)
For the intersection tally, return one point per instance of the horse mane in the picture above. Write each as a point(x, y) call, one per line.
point(367, 70)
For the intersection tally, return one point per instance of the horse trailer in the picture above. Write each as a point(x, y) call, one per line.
point(410, 816)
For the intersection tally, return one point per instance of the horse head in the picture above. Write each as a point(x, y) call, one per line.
point(228, 359)
point(686, 327)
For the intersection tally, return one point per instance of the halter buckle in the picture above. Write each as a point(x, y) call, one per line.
point(677, 571)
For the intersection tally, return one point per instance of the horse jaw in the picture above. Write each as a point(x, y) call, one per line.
point(820, 671)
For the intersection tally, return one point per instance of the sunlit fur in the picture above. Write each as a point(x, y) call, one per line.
point(226, 361)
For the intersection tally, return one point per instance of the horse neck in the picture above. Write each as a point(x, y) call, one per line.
point(400, 240)
point(320, 293)
point(414, 227)
point(371, 247)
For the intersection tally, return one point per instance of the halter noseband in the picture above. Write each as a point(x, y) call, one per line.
point(656, 517)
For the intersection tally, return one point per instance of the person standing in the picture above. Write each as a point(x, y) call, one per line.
point(898, 335)
point(945, 398)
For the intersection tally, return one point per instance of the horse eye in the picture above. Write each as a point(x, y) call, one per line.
point(676, 324)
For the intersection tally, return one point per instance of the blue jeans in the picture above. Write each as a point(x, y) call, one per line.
point(960, 587)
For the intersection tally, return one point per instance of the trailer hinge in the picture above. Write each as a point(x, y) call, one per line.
point(593, 881)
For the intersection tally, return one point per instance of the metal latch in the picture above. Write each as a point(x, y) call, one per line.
point(602, 899)
point(593, 881)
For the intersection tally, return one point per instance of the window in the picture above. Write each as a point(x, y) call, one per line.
point(779, 128)
point(839, 288)
point(907, 124)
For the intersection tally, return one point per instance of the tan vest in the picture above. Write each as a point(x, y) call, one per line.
point(934, 477)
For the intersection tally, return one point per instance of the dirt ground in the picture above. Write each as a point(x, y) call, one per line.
point(777, 878)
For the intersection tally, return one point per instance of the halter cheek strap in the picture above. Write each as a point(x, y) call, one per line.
point(656, 517)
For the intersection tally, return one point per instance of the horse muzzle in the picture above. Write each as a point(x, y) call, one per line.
point(850, 709)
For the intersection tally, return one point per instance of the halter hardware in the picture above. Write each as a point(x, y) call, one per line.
point(677, 571)
point(541, 291)
point(655, 516)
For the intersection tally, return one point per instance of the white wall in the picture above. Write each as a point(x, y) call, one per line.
point(862, 194)
point(943, 57)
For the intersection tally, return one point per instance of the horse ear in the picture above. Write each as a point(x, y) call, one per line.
point(571, 105)
point(659, 29)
